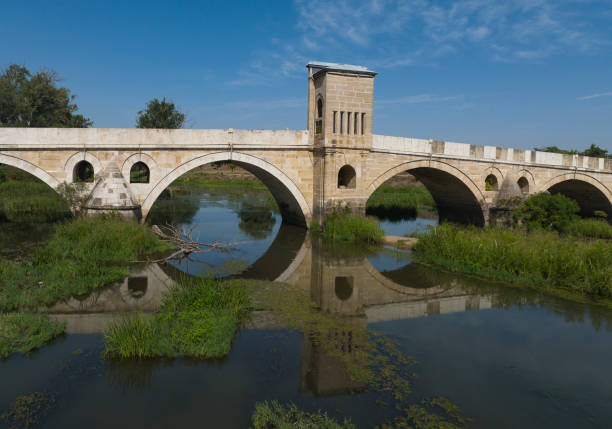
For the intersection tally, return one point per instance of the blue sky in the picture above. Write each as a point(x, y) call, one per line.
point(516, 73)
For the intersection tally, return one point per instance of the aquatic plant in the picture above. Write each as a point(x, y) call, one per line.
point(198, 318)
point(272, 415)
point(542, 259)
point(24, 332)
point(341, 224)
point(27, 410)
point(81, 256)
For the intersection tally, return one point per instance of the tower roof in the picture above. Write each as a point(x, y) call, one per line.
point(318, 66)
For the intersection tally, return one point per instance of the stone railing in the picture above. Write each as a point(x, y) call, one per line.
point(486, 153)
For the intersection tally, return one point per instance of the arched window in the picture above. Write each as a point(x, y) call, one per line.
point(139, 173)
point(83, 172)
point(491, 183)
point(524, 185)
point(347, 177)
point(319, 120)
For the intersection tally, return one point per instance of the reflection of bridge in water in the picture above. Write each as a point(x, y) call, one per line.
point(338, 283)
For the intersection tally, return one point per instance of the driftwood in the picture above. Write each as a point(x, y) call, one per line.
point(184, 243)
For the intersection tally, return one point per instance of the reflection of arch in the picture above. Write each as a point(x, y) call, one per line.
point(30, 168)
point(406, 290)
point(347, 178)
point(589, 192)
point(292, 204)
point(75, 159)
point(457, 197)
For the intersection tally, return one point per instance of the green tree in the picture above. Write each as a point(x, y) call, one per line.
point(596, 152)
point(160, 114)
point(34, 100)
point(548, 211)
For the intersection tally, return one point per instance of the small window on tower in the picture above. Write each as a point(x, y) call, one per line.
point(319, 120)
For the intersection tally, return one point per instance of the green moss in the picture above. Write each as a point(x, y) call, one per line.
point(24, 332)
point(541, 259)
point(272, 415)
point(81, 256)
point(198, 318)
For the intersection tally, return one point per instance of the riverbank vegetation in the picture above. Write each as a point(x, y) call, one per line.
point(343, 225)
point(82, 255)
point(24, 332)
point(397, 203)
point(25, 199)
point(198, 318)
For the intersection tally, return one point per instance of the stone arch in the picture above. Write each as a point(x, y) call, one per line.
point(78, 157)
point(456, 195)
point(347, 177)
point(523, 184)
point(154, 171)
point(491, 182)
point(293, 206)
point(28, 167)
point(140, 173)
point(590, 193)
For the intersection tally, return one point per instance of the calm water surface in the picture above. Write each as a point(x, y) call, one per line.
point(509, 358)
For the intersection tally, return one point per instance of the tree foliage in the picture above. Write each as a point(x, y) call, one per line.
point(160, 114)
point(34, 100)
point(553, 212)
point(593, 151)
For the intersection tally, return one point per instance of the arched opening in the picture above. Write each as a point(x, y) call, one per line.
point(589, 197)
point(343, 287)
point(347, 178)
point(83, 172)
point(319, 108)
point(491, 183)
point(523, 183)
point(139, 173)
point(319, 118)
point(431, 189)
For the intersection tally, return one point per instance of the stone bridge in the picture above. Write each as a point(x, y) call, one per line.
point(336, 161)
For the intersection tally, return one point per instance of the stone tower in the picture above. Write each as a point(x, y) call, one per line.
point(340, 107)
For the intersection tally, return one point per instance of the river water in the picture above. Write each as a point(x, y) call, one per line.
point(508, 357)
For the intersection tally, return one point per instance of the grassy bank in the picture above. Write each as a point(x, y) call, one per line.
point(30, 202)
point(82, 255)
point(199, 318)
point(273, 415)
point(396, 203)
point(542, 259)
point(343, 225)
point(24, 332)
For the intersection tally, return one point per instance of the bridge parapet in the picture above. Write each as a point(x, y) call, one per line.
point(436, 148)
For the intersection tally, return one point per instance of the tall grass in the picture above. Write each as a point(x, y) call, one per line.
point(396, 203)
point(24, 332)
point(344, 225)
point(538, 258)
point(593, 228)
point(31, 201)
point(274, 415)
point(82, 255)
point(199, 318)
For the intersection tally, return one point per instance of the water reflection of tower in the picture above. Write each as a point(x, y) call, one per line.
point(327, 355)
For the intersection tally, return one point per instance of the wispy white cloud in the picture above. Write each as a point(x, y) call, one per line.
point(601, 94)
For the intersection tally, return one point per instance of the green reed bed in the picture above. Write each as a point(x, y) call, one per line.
point(346, 226)
point(542, 259)
point(30, 201)
point(396, 202)
point(24, 332)
point(81, 256)
point(274, 415)
point(593, 228)
point(198, 318)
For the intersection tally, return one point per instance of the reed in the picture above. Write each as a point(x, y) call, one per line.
point(341, 224)
point(31, 202)
point(542, 259)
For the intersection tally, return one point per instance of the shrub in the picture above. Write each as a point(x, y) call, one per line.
point(547, 211)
